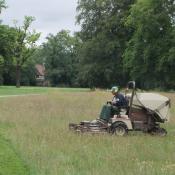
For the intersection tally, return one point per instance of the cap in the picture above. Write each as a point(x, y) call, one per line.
point(114, 89)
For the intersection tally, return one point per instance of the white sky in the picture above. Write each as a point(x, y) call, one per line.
point(51, 16)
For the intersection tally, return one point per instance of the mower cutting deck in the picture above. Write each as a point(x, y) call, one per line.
point(96, 126)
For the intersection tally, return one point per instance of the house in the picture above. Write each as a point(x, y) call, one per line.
point(40, 74)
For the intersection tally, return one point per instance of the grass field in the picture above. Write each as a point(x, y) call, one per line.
point(36, 128)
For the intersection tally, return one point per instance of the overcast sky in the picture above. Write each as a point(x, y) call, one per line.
point(51, 15)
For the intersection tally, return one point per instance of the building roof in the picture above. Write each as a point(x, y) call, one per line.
point(40, 69)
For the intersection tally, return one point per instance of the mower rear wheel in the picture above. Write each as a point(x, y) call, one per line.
point(159, 132)
point(119, 130)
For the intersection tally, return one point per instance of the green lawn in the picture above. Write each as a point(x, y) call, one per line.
point(11, 90)
point(37, 129)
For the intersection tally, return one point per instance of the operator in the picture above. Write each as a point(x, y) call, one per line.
point(114, 107)
point(118, 99)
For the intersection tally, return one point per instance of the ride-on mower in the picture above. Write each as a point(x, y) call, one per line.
point(145, 112)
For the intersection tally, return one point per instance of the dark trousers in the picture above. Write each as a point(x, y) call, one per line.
point(108, 111)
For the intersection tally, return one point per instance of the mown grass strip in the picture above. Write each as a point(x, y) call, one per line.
point(10, 161)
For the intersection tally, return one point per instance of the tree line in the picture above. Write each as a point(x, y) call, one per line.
point(118, 41)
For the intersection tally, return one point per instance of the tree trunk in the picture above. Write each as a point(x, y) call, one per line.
point(18, 76)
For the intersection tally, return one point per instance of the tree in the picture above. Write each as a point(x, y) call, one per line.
point(2, 5)
point(152, 23)
point(59, 54)
point(104, 38)
point(25, 44)
point(167, 64)
point(7, 40)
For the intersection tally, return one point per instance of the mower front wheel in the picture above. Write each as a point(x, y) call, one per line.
point(119, 130)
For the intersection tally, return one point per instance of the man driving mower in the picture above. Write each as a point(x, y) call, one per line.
point(138, 112)
point(115, 106)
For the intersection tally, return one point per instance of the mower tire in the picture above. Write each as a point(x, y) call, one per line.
point(159, 132)
point(119, 129)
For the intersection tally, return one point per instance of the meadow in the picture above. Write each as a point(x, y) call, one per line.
point(35, 129)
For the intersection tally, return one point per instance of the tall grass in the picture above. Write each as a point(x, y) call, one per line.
point(39, 130)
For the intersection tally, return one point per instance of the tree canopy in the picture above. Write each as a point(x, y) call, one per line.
point(59, 58)
point(104, 38)
point(119, 40)
point(2, 5)
point(146, 57)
